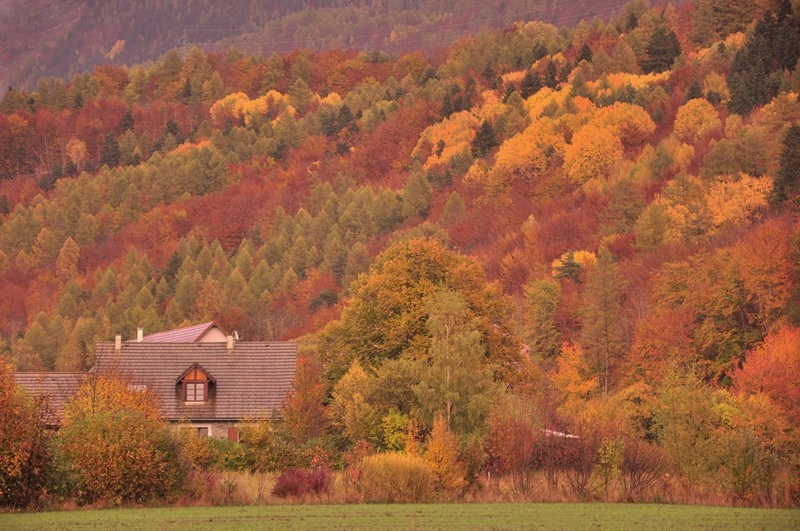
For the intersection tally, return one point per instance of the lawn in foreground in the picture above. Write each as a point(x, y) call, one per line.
point(423, 516)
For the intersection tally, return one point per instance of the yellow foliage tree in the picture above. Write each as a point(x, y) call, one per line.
point(442, 458)
point(523, 156)
point(592, 154)
point(630, 122)
point(737, 200)
point(110, 393)
point(449, 138)
point(574, 377)
point(695, 119)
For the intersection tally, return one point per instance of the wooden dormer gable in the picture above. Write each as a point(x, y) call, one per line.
point(195, 385)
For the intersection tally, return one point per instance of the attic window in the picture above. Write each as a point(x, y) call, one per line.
point(195, 391)
point(195, 384)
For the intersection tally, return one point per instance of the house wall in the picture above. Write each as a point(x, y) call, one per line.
point(218, 430)
point(213, 335)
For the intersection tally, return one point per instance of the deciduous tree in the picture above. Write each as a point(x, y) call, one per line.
point(24, 452)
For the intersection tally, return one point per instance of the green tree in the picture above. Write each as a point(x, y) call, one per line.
point(454, 208)
point(110, 153)
point(387, 314)
point(350, 409)
point(454, 380)
point(787, 180)
point(584, 54)
point(662, 50)
point(542, 298)
point(485, 140)
point(416, 196)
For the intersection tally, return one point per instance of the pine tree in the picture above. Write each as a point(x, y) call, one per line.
point(584, 54)
point(787, 181)
point(662, 50)
point(485, 140)
point(110, 154)
point(530, 85)
point(694, 91)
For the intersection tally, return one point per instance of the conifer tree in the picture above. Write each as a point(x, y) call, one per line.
point(662, 50)
point(787, 181)
point(603, 337)
point(485, 140)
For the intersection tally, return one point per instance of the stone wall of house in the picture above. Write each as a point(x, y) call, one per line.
point(218, 430)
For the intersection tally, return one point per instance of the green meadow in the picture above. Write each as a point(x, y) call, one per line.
point(419, 516)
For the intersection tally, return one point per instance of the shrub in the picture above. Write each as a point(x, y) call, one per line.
point(24, 455)
point(297, 482)
point(396, 477)
point(642, 466)
point(120, 456)
point(200, 451)
point(580, 461)
point(513, 441)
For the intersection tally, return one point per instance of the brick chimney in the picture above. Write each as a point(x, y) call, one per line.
point(230, 343)
point(139, 334)
point(118, 342)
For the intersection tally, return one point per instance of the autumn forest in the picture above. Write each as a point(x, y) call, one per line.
point(587, 229)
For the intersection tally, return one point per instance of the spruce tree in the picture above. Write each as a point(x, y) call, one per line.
point(584, 54)
point(787, 181)
point(662, 50)
point(485, 140)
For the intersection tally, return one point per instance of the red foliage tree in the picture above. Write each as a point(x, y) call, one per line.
point(773, 368)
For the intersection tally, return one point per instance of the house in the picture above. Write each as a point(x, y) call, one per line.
point(200, 381)
point(56, 387)
point(201, 333)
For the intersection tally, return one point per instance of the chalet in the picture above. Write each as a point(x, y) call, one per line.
point(202, 378)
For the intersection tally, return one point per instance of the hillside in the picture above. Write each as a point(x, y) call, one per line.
point(605, 213)
point(41, 39)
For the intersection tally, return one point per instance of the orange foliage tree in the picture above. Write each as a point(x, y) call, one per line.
point(773, 368)
point(304, 414)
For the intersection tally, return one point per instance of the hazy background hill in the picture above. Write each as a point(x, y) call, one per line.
point(43, 38)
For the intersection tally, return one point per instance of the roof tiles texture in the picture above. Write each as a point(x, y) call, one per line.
point(57, 387)
point(252, 379)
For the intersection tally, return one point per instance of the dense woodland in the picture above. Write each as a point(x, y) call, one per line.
point(587, 229)
point(49, 38)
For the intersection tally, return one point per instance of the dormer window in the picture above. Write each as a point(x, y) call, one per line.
point(195, 391)
point(195, 385)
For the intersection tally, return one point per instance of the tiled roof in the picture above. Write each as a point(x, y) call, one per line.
point(181, 335)
point(57, 387)
point(251, 380)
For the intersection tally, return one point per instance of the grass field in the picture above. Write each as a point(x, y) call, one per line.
point(433, 516)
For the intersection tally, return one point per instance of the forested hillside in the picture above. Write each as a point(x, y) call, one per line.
point(41, 39)
point(598, 222)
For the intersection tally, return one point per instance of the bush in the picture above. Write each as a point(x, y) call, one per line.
point(297, 482)
point(200, 452)
point(24, 453)
point(119, 456)
point(396, 477)
point(642, 466)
